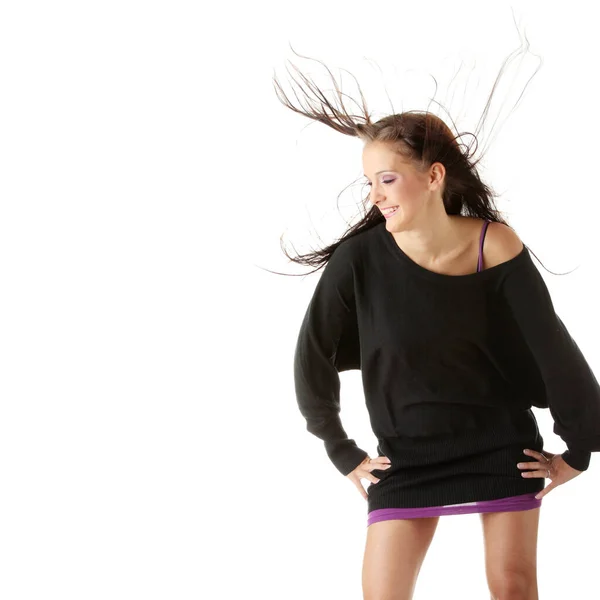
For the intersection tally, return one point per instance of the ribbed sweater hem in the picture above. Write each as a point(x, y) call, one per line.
point(473, 465)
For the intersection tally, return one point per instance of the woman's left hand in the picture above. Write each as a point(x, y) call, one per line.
point(548, 465)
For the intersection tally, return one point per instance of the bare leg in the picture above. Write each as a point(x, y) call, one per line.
point(511, 553)
point(394, 553)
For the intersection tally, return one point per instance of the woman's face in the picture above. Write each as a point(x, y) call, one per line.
point(394, 181)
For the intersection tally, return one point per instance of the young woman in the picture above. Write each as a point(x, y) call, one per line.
point(438, 303)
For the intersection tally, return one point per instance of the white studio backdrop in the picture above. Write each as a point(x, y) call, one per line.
point(151, 445)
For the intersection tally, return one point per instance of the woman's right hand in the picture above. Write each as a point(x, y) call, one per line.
point(363, 471)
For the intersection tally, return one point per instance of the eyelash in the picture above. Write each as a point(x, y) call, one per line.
point(384, 181)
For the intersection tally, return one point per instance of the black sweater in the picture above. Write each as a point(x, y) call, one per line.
point(438, 353)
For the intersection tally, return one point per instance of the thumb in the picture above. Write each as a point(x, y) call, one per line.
point(354, 476)
point(546, 490)
point(361, 489)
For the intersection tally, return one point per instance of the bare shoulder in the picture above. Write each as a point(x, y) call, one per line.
point(501, 244)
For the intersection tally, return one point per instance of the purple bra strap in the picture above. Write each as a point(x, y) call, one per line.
point(483, 230)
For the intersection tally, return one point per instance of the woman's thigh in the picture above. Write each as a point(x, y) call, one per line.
point(510, 540)
point(394, 553)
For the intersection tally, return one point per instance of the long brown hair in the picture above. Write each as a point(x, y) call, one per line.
point(418, 136)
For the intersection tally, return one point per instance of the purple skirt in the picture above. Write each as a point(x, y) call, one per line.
point(520, 502)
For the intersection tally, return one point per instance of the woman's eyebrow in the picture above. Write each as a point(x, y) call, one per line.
point(381, 171)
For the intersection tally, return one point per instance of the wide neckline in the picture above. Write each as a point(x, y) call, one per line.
point(433, 275)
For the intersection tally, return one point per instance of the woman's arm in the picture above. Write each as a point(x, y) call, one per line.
point(331, 313)
point(572, 389)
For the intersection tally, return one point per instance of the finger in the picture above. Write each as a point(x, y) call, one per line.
point(371, 478)
point(538, 473)
point(543, 457)
point(531, 466)
point(364, 473)
point(533, 453)
point(379, 467)
point(528, 465)
point(546, 490)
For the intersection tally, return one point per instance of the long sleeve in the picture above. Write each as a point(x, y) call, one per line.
point(330, 320)
point(572, 390)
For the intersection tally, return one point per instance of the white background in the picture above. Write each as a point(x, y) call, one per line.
point(150, 442)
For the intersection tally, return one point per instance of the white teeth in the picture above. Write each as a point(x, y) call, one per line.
point(387, 211)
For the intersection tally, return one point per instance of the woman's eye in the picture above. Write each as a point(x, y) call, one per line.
point(384, 181)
